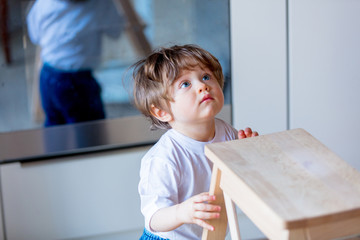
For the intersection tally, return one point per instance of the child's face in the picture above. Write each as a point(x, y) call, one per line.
point(197, 96)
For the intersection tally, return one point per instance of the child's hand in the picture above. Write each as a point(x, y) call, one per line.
point(196, 210)
point(247, 133)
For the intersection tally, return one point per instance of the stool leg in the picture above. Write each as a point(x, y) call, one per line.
point(232, 218)
point(220, 224)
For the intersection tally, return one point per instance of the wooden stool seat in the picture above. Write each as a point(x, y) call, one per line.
point(289, 184)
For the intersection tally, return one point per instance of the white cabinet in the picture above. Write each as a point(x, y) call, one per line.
point(71, 197)
point(324, 72)
point(259, 82)
point(296, 64)
point(258, 55)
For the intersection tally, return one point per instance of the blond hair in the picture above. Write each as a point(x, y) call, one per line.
point(155, 74)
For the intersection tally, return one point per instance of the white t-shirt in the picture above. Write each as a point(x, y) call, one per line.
point(175, 169)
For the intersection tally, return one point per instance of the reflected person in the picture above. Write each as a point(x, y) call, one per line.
point(69, 33)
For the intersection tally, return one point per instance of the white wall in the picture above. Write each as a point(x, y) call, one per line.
point(321, 92)
point(295, 64)
point(325, 73)
point(258, 63)
point(258, 43)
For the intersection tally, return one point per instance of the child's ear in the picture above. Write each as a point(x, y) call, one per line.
point(160, 114)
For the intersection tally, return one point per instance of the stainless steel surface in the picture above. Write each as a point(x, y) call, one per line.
point(36, 144)
point(107, 134)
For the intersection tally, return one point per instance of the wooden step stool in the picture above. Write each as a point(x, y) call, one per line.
point(288, 183)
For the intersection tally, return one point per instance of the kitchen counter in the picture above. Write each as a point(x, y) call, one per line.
point(71, 139)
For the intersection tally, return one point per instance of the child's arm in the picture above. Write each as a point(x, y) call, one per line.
point(194, 210)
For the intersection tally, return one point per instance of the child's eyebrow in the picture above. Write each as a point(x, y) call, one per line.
point(178, 79)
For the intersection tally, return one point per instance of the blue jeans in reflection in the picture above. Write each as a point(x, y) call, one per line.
point(70, 96)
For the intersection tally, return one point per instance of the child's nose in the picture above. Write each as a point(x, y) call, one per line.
point(203, 87)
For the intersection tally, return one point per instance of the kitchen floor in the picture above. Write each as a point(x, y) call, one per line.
point(114, 236)
point(13, 89)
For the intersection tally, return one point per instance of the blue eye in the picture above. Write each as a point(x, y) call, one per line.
point(206, 77)
point(184, 85)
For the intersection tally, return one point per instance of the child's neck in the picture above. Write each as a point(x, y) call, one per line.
point(202, 131)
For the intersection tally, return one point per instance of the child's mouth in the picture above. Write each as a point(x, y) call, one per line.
point(206, 98)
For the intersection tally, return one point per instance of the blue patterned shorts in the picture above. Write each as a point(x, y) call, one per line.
point(147, 235)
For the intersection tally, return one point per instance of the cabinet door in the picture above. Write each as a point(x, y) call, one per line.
point(258, 56)
point(258, 66)
point(324, 74)
point(72, 197)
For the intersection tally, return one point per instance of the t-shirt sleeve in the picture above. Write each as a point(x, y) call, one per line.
point(158, 186)
point(233, 133)
point(229, 131)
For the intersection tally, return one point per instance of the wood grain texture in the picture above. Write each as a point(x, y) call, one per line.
point(232, 218)
point(287, 180)
point(220, 223)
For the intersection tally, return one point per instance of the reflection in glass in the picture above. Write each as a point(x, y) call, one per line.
point(165, 22)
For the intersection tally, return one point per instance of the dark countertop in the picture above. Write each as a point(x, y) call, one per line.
point(47, 143)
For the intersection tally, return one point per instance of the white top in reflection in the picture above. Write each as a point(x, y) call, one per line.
point(70, 33)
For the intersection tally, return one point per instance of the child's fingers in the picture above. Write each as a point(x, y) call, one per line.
point(205, 207)
point(203, 197)
point(206, 215)
point(204, 224)
point(241, 134)
point(248, 132)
